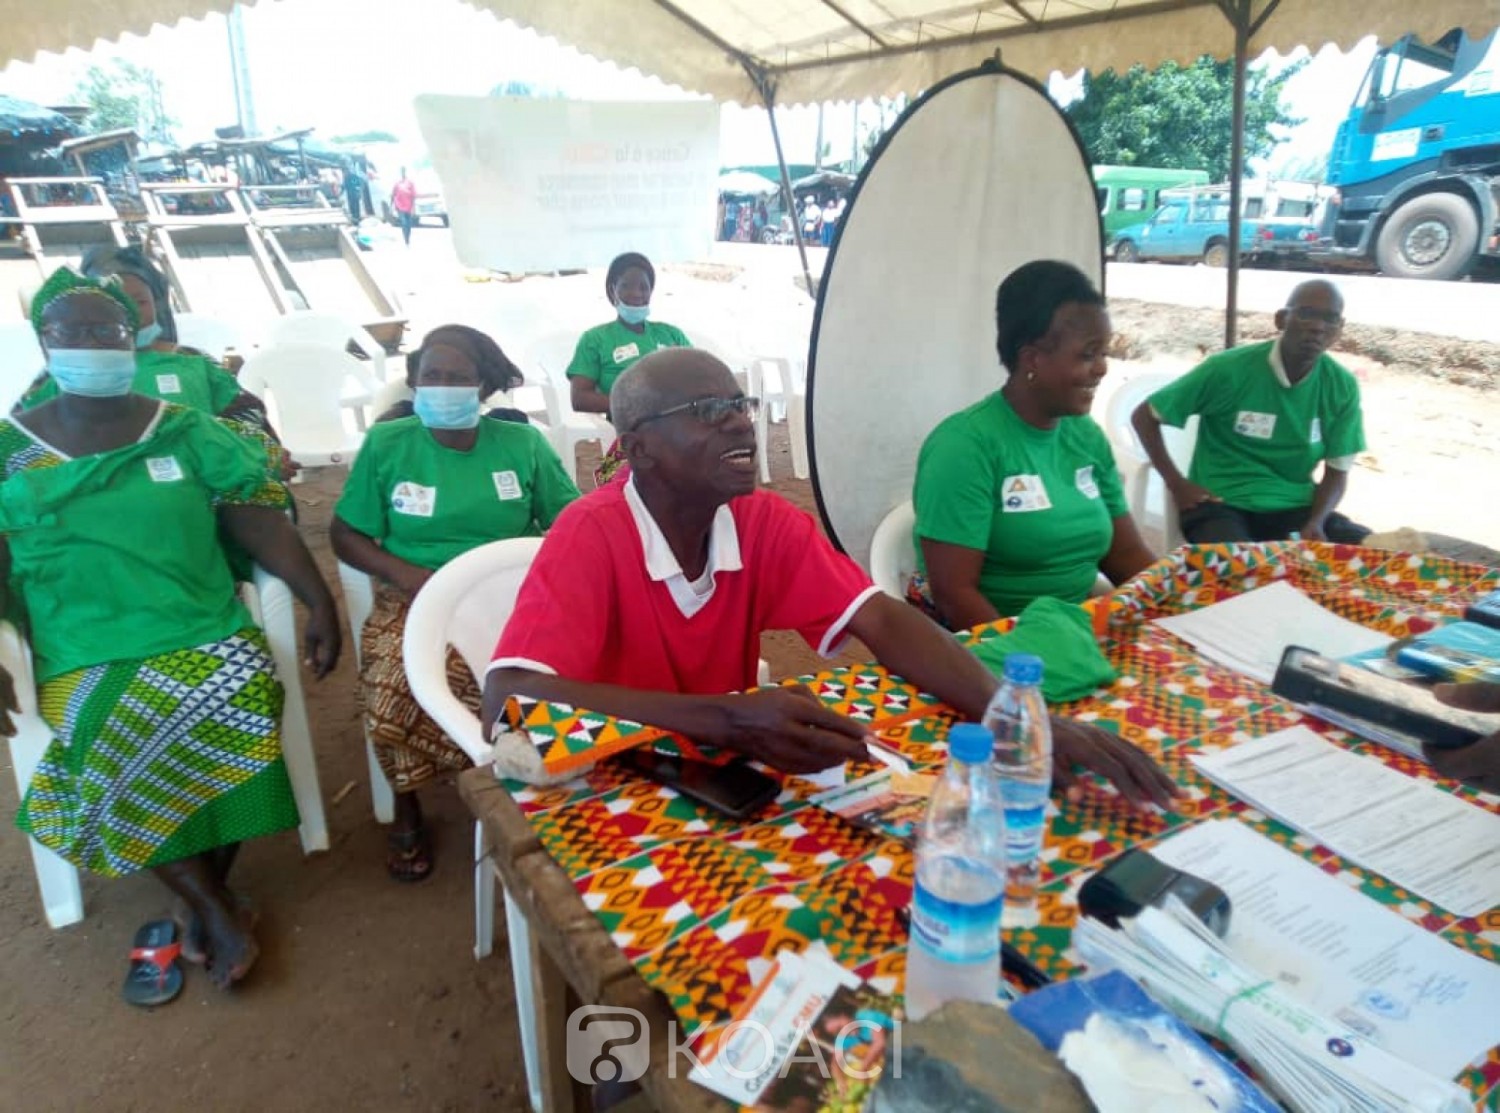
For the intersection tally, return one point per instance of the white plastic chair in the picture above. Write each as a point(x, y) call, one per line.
point(359, 599)
point(210, 335)
point(270, 603)
point(1151, 504)
point(893, 556)
point(466, 604)
point(309, 387)
point(567, 427)
point(310, 326)
point(21, 361)
point(750, 384)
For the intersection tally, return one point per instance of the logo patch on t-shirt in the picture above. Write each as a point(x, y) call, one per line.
point(168, 384)
point(1251, 424)
point(627, 351)
point(1315, 432)
point(1084, 478)
point(507, 485)
point(1020, 493)
point(163, 469)
point(414, 499)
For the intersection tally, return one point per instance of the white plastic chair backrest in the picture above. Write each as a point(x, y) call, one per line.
point(388, 395)
point(465, 604)
point(720, 344)
point(893, 555)
point(310, 326)
point(1126, 398)
point(359, 599)
point(306, 382)
point(21, 361)
point(209, 335)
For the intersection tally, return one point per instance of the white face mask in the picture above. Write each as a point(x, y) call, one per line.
point(92, 372)
point(147, 335)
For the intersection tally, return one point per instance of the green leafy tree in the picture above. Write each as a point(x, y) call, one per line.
point(125, 95)
point(1178, 117)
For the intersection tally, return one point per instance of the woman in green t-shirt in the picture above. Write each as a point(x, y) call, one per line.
point(605, 351)
point(1018, 496)
point(423, 490)
point(159, 687)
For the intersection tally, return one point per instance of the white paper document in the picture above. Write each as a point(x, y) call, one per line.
point(1408, 990)
point(1249, 632)
point(1440, 847)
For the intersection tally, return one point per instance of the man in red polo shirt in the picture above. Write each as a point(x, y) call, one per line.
point(649, 596)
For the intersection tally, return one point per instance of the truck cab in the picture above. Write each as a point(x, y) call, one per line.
point(1417, 159)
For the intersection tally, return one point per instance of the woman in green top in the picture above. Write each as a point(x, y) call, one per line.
point(423, 490)
point(605, 351)
point(1018, 496)
point(157, 683)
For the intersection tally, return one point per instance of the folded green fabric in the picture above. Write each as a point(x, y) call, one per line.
point(1062, 635)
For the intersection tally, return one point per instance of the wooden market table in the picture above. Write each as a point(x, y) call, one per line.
point(638, 899)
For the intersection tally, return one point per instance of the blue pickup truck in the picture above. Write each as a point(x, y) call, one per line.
point(1194, 227)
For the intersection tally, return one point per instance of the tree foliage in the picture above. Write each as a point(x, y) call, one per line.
point(125, 95)
point(1179, 117)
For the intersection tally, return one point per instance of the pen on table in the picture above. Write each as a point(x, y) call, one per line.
point(1011, 959)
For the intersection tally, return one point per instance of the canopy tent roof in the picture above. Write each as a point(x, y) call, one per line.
point(22, 120)
point(817, 50)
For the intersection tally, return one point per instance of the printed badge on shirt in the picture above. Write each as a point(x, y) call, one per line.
point(1315, 431)
point(1022, 493)
point(414, 499)
point(507, 485)
point(1084, 479)
point(1251, 424)
point(163, 469)
point(627, 351)
point(168, 384)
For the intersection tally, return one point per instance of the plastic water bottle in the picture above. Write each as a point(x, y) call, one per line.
point(1017, 720)
point(954, 953)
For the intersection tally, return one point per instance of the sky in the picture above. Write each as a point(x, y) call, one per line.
point(359, 63)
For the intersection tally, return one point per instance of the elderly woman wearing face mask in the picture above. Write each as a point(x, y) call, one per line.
point(423, 490)
point(605, 351)
point(157, 683)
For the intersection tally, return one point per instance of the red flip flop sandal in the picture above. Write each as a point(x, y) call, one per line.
point(155, 976)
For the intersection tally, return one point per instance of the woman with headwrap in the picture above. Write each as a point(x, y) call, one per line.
point(423, 490)
point(171, 373)
point(157, 683)
point(605, 351)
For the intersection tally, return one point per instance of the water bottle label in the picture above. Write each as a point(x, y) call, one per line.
point(955, 932)
point(1024, 828)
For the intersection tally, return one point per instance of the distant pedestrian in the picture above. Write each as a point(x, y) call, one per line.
point(830, 221)
point(354, 188)
point(404, 203)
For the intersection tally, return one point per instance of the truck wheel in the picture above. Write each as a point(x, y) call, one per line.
point(1127, 252)
point(1432, 236)
point(1216, 254)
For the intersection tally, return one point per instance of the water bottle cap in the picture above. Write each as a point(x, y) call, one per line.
point(1023, 668)
point(970, 742)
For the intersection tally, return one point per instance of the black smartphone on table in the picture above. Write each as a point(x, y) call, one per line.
point(737, 789)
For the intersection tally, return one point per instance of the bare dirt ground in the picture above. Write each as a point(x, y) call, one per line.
point(367, 995)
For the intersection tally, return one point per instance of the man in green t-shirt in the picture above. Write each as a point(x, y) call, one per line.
point(1268, 413)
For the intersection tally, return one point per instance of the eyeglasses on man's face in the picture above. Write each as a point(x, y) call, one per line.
point(106, 335)
point(710, 411)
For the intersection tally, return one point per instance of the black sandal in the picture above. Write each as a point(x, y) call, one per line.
point(409, 857)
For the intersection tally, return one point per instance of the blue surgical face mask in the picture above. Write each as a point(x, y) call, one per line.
point(447, 407)
point(147, 335)
point(92, 372)
point(634, 314)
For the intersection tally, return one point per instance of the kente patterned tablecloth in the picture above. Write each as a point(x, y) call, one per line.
point(699, 902)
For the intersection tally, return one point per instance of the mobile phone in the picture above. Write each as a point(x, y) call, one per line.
point(1316, 682)
point(736, 789)
point(1485, 610)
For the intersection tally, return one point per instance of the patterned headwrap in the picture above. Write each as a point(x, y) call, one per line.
point(106, 260)
point(65, 282)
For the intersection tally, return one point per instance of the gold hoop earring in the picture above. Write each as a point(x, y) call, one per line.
point(1031, 376)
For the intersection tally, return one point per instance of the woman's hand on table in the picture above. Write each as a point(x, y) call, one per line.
point(1139, 779)
point(789, 729)
point(1477, 764)
point(8, 704)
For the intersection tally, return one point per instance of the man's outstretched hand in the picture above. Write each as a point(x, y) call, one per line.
point(1477, 764)
point(789, 729)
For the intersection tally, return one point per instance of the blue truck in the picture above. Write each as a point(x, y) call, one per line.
point(1192, 225)
point(1416, 163)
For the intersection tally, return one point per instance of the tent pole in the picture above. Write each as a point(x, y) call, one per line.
point(1242, 12)
point(768, 94)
